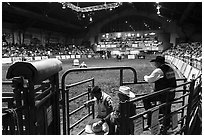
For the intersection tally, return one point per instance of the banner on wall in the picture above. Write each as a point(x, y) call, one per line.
point(6, 60)
point(37, 58)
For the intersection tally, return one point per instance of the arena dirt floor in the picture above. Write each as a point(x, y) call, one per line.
point(107, 80)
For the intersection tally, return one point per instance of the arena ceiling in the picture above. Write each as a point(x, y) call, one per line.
point(51, 15)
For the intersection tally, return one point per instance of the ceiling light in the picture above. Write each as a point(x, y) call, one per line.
point(91, 8)
point(158, 7)
point(152, 33)
point(90, 19)
point(83, 16)
point(63, 7)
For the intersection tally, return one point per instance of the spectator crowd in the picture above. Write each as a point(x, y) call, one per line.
point(187, 50)
point(16, 50)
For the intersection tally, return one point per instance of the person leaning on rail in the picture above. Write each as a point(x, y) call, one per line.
point(124, 94)
point(103, 102)
point(163, 77)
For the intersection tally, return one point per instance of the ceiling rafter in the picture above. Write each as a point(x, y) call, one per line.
point(33, 15)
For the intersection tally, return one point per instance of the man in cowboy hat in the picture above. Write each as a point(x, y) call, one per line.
point(103, 102)
point(163, 77)
point(124, 95)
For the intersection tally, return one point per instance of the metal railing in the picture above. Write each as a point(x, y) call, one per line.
point(182, 113)
point(65, 93)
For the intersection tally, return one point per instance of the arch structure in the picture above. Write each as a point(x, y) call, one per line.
point(168, 27)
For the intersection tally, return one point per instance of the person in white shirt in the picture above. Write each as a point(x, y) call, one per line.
point(154, 76)
point(163, 77)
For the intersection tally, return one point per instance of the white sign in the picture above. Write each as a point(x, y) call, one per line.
point(49, 115)
point(155, 128)
point(6, 60)
point(138, 126)
point(131, 56)
point(175, 120)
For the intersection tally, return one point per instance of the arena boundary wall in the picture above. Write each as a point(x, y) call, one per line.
point(187, 70)
point(8, 60)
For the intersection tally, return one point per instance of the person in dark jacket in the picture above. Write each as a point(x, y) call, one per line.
point(163, 77)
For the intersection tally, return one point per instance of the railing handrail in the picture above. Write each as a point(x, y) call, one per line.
point(6, 82)
point(99, 69)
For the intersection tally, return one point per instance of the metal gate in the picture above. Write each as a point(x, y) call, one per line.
point(65, 94)
point(183, 119)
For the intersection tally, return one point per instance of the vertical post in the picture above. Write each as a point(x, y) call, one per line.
point(183, 103)
point(121, 77)
point(55, 86)
point(192, 84)
point(67, 111)
point(25, 102)
point(31, 114)
point(166, 107)
point(89, 90)
point(63, 104)
point(93, 110)
point(124, 122)
point(122, 119)
point(18, 86)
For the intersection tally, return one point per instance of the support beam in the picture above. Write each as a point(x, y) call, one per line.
point(33, 15)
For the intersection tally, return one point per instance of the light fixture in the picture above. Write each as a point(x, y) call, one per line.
point(63, 7)
point(152, 33)
point(91, 8)
point(158, 8)
point(83, 16)
point(90, 19)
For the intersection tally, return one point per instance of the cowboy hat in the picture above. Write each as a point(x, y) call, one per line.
point(95, 90)
point(159, 59)
point(126, 91)
point(95, 129)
